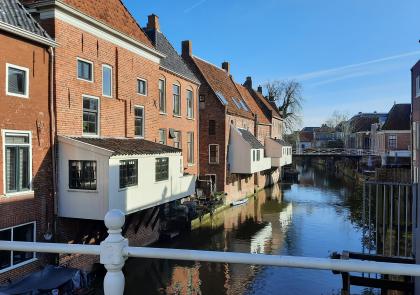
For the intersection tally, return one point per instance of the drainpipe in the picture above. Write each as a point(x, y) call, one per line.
point(52, 127)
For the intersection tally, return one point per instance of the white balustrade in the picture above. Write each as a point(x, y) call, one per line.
point(114, 250)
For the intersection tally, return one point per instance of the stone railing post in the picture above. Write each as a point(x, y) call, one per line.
point(112, 253)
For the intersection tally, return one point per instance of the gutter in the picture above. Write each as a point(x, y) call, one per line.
point(26, 34)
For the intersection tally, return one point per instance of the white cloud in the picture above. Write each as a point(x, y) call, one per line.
point(189, 9)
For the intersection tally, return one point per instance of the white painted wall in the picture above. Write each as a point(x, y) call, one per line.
point(240, 155)
point(94, 204)
point(280, 155)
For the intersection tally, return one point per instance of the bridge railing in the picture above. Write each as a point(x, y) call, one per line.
point(114, 250)
point(333, 151)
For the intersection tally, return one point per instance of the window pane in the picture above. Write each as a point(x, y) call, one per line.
point(162, 169)
point(17, 81)
point(177, 100)
point(17, 139)
point(23, 173)
point(5, 256)
point(84, 70)
point(107, 81)
point(11, 169)
point(141, 87)
point(162, 96)
point(190, 104)
point(138, 121)
point(23, 233)
point(90, 115)
point(162, 136)
point(128, 173)
point(82, 175)
point(190, 148)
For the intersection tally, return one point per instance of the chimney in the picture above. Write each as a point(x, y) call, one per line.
point(248, 82)
point(153, 22)
point(186, 48)
point(226, 67)
point(260, 90)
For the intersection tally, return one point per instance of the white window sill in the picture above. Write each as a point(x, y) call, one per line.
point(90, 135)
point(107, 96)
point(141, 94)
point(17, 95)
point(177, 116)
point(18, 265)
point(128, 188)
point(191, 164)
point(191, 119)
point(19, 194)
point(84, 80)
point(163, 113)
point(82, 191)
point(160, 181)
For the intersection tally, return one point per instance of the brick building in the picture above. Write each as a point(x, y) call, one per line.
point(233, 129)
point(392, 140)
point(122, 141)
point(26, 188)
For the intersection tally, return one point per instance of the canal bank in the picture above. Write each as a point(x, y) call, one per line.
point(320, 215)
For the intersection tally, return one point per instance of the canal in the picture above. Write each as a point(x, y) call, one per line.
point(319, 215)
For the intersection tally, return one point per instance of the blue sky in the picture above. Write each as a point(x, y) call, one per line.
point(350, 56)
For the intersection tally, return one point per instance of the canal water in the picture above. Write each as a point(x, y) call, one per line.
point(316, 217)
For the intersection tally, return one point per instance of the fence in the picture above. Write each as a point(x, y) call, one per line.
point(114, 250)
point(387, 218)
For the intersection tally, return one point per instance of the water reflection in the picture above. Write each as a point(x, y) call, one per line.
point(318, 216)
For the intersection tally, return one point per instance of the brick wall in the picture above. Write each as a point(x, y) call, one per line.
point(27, 114)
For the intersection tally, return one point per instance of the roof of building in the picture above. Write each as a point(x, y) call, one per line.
point(283, 142)
point(112, 13)
point(306, 136)
point(251, 139)
point(398, 117)
point(309, 129)
point(221, 83)
point(128, 146)
point(269, 107)
point(172, 62)
point(362, 123)
point(13, 13)
point(253, 105)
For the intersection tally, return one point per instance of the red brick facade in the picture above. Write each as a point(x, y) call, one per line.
point(27, 114)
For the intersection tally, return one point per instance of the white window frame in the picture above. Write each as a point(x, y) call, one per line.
point(396, 142)
point(146, 86)
point(173, 99)
point(14, 266)
point(77, 70)
point(164, 112)
point(189, 133)
point(26, 70)
point(112, 80)
point(192, 103)
point(218, 154)
point(17, 132)
point(144, 121)
point(99, 116)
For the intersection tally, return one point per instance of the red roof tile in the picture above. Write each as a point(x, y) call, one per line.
point(220, 81)
point(268, 106)
point(250, 101)
point(112, 13)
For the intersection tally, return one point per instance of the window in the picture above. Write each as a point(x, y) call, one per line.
point(90, 115)
point(213, 154)
point(177, 100)
point(85, 70)
point(190, 104)
point(162, 169)
point(418, 86)
point(18, 161)
point(392, 141)
point(82, 175)
point(17, 81)
point(212, 127)
point(141, 87)
point(139, 121)
point(128, 173)
point(107, 80)
point(162, 136)
point(162, 96)
point(20, 233)
point(253, 156)
point(258, 155)
point(190, 148)
point(177, 139)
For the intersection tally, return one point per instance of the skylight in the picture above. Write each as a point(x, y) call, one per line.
point(236, 103)
point(221, 98)
point(244, 106)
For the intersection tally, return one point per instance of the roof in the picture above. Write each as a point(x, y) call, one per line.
point(362, 124)
point(270, 106)
point(398, 117)
point(128, 146)
point(220, 81)
point(282, 142)
point(310, 129)
point(172, 61)
point(251, 139)
point(112, 13)
point(306, 136)
point(12, 12)
point(253, 105)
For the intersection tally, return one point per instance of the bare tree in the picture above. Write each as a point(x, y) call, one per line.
point(287, 95)
point(337, 118)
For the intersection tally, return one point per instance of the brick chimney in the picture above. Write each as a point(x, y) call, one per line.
point(248, 82)
point(260, 90)
point(226, 67)
point(153, 22)
point(186, 48)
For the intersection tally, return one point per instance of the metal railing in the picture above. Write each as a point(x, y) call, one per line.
point(332, 152)
point(114, 250)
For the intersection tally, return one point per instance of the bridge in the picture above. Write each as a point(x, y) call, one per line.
point(329, 152)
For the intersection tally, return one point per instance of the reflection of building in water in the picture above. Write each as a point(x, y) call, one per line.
point(286, 217)
point(185, 280)
point(261, 239)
